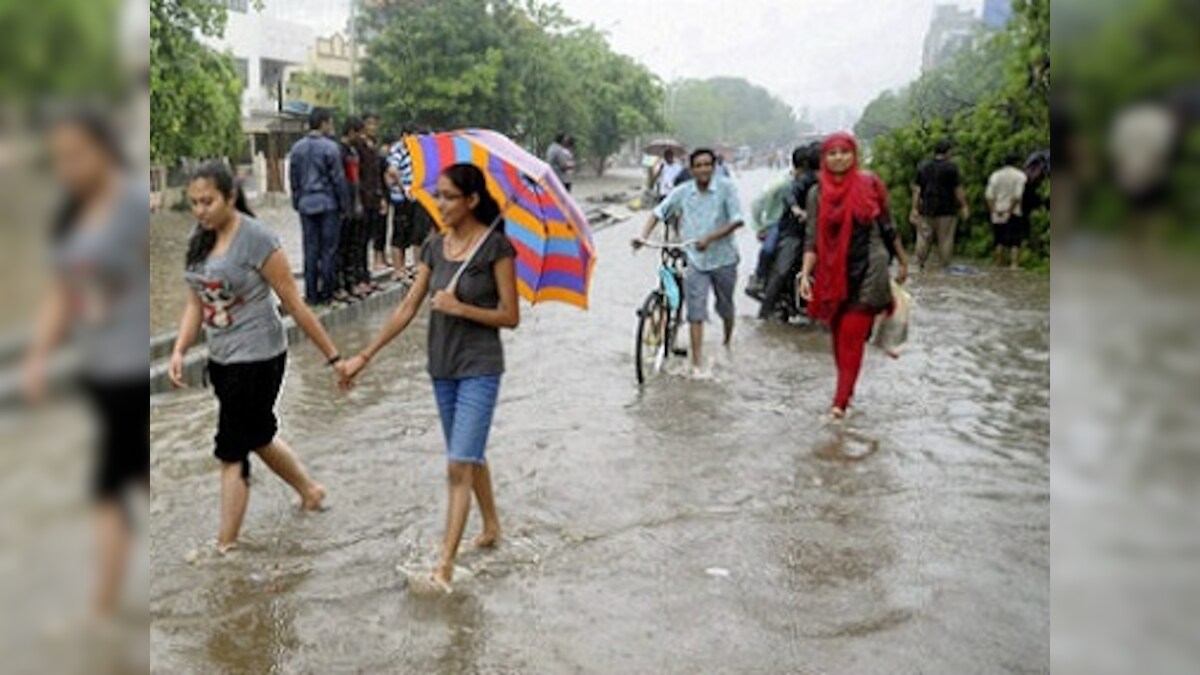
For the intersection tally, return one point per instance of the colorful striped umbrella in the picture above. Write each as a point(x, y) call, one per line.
point(555, 252)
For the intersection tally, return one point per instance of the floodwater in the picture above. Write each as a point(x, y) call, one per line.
point(687, 526)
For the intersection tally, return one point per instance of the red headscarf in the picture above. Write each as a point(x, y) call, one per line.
point(854, 197)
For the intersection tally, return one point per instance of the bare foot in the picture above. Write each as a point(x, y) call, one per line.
point(314, 500)
point(442, 575)
point(224, 548)
point(487, 539)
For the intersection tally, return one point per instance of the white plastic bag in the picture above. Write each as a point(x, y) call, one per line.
point(891, 327)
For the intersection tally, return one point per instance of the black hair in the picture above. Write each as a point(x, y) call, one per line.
point(943, 146)
point(669, 155)
point(370, 116)
point(701, 151)
point(1012, 159)
point(560, 137)
point(201, 242)
point(99, 129)
point(470, 180)
point(317, 117)
point(352, 124)
point(800, 157)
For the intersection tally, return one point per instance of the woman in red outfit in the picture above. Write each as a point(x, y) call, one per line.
point(850, 249)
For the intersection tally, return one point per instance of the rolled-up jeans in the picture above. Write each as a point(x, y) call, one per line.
point(768, 251)
point(321, 232)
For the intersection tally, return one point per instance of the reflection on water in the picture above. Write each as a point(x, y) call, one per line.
point(916, 540)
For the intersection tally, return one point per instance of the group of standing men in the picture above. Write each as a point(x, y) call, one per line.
point(344, 191)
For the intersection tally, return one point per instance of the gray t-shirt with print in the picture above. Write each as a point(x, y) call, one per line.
point(459, 348)
point(239, 313)
point(106, 274)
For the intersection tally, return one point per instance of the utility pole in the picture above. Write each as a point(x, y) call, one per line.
point(353, 51)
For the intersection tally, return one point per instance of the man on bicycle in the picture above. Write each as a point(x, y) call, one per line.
point(709, 213)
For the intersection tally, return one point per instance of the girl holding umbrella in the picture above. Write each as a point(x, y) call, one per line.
point(469, 273)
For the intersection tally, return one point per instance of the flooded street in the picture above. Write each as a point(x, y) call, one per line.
point(705, 527)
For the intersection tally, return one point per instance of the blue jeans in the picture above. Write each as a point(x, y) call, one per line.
point(466, 407)
point(321, 231)
point(767, 252)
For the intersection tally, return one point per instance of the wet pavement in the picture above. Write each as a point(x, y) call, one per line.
point(708, 527)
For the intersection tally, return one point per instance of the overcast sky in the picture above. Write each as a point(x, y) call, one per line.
point(818, 53)
point(815, 53)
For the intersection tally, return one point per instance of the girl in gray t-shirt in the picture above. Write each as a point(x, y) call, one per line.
point(466, 358)
point(234, 263)
point(100, 297)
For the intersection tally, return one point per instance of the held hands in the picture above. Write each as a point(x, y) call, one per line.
point(348, 370)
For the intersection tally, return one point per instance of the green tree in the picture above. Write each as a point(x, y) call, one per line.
point(1004, 109)
point(195, 93)
point(730, 110)
point(59, 48)
point(520, 67)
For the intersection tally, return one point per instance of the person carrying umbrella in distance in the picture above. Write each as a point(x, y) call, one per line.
point(537, 246)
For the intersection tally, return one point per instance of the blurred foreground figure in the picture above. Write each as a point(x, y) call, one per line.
point(100, 299)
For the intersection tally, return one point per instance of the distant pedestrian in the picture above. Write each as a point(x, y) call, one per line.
point(561, 158)
point(1004, 194)
point(318, 184)
point(938, 201)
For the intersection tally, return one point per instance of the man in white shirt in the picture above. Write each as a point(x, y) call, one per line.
point(1005, 188)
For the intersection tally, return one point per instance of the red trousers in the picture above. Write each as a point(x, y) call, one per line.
point(850, 329)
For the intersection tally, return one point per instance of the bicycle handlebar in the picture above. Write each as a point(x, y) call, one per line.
point(666, 245)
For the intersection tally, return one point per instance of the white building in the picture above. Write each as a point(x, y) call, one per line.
point(263, 44)
point(952, 29)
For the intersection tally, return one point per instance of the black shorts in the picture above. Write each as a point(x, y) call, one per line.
point(402, 214)
point(1013, 233)
point(123, 450)
point(246, 393)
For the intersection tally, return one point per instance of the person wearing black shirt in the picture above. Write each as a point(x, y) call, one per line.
point(938, 200)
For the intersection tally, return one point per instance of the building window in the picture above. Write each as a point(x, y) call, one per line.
point(242, 68)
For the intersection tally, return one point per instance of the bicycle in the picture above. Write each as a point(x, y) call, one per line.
point(661, 313)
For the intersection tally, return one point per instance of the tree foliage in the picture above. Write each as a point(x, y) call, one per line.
point(521, 68)
point(59, 48)
point(195, 93)
point(729, 110)
point(991, 101)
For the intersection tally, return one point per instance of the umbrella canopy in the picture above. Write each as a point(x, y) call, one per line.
point(659, 145)
point(555, 251)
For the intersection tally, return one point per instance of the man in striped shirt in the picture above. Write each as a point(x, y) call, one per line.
point(407, 214)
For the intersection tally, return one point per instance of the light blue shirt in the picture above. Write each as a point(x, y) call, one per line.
point(702, 213)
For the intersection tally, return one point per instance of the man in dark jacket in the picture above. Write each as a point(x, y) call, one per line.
point(318, 183)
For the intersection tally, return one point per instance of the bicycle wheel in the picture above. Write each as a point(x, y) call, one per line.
point(651, 335)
